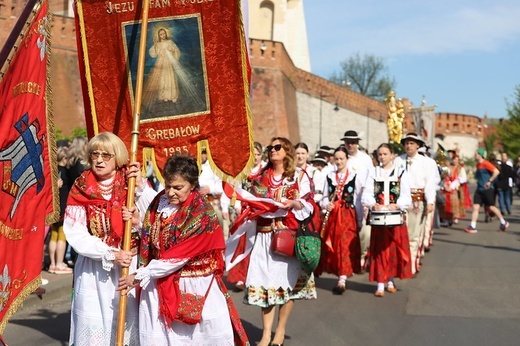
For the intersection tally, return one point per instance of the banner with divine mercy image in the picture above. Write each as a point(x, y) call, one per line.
point(196, 78)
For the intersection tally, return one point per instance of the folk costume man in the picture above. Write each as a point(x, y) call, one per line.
point(360, 163)
point(427, 230)
point(424, 179)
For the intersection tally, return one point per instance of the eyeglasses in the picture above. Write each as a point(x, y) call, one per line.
point(106, 156)
point(275, 147)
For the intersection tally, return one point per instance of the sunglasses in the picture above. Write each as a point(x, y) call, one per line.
point(106, 156)
point(275, 147)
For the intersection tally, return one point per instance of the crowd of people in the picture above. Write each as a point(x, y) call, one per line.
point(376, 213)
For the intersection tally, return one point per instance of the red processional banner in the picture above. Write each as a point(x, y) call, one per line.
point(28, 167)
point(196, 78)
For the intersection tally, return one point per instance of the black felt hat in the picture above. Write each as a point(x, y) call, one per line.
point(413, 137)
point(351, 136)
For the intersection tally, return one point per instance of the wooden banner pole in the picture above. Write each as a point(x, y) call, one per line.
point(133, 157)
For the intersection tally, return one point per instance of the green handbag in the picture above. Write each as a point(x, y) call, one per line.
point(307, 246)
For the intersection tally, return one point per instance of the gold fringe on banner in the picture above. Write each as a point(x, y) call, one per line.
point(18, 301)
point(54, 216)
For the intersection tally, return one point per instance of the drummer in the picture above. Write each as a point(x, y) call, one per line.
point(387, 195)
point(424, 179)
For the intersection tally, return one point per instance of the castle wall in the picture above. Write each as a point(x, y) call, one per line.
point(465, 144)
point(305, 96)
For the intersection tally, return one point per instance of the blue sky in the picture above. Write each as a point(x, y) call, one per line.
point(462, 55)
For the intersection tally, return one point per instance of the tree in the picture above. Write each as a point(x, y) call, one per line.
point(79, 132)
point(508, 130)
point(489, 143)
point(366, 75)
point(76, 132)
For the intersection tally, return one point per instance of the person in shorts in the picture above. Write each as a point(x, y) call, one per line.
point(486, 173)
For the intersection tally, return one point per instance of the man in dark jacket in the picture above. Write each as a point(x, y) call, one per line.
point(504, 184)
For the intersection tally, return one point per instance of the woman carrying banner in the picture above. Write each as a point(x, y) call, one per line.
point(341, 248)
point(273, 279)
point(387, 193)
point(182, 249)
point(93, 225)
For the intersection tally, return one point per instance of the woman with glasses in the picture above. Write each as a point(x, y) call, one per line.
point(273, 279)
point(94, 227)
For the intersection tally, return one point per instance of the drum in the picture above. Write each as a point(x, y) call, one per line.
point(386, 218)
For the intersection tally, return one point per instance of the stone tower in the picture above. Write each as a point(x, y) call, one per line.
point(282, 21)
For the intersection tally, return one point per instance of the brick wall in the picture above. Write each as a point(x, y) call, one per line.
point(65, 83)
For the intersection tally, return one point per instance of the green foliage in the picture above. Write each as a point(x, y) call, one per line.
point(79, 132)
point(366, 75)
point(508, 130)
point(58, 134)
point(489, 143)
point(76, 132)
point(397, 148)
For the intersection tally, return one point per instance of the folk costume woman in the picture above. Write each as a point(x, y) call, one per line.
point(462, 188)
point(182, 251)
point(341, 251)
point(273, 279)
point(93, 225)
point(302, 158)
point(449, 188)
point(238, 273)
point(389, 245)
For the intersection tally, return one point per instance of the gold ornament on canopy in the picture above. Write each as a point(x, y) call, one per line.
point(396, 114)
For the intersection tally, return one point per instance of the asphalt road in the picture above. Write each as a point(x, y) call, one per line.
point(465, 294)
